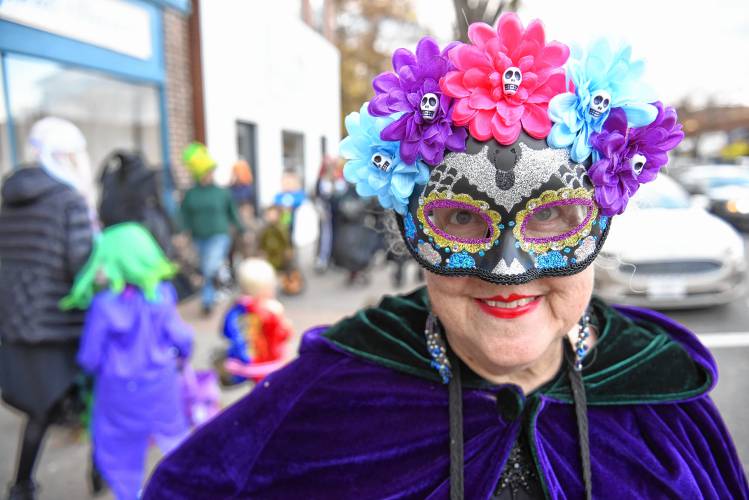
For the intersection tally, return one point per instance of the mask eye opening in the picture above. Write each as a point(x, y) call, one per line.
point(589, 213)
point(429, 212)
point(442, 210)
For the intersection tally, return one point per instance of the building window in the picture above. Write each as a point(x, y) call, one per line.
point(247, 150)
point(293, 153)
point(110, 112)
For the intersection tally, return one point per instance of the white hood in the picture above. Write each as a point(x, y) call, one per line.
point(60, 148)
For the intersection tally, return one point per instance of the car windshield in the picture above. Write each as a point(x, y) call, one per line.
point(663, 192)
point(718, 176)
point(729, 181)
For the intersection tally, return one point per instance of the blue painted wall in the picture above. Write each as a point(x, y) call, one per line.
point(24, 40)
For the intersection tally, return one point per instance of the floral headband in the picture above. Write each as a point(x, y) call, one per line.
point(509, 80)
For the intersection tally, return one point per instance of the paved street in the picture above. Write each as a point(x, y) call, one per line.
point(62, 470)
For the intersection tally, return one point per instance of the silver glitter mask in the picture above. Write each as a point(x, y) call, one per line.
point(506, 214)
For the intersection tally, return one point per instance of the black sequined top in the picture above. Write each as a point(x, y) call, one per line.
point(519, 480)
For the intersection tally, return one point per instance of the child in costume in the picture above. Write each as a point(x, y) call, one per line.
point(133, 343)
point(276, 246)
point(255, 326)
point(290, 197)
point(275, 242)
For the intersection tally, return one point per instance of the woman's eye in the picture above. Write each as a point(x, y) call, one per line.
point(544, 215)
point(552, 221)
point(458, 222)
point(461, 217)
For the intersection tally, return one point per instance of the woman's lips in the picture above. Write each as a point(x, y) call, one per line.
point(509, 307)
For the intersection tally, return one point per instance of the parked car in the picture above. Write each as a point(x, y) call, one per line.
point(700, 179)
point(722, 189)
point(666, 253)
point(731, 203)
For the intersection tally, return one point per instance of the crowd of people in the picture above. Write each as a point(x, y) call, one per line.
point(90, 330)
point(89, 289)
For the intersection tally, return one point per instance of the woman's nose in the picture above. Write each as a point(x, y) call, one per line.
point(512, 259)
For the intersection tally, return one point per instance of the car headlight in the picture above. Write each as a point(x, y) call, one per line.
point(738, 206)
point(735, 251)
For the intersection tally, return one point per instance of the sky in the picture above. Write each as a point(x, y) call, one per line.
point(692, 49)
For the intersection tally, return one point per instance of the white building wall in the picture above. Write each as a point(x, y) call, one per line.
point(262, 64)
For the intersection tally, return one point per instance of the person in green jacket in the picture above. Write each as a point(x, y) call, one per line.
point(207, 212)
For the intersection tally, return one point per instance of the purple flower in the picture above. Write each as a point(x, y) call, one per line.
point(425, 128)
point(631, 157)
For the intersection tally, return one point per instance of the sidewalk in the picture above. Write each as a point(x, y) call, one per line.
point(63, 469)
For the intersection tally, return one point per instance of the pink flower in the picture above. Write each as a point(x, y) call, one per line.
point(488, 97)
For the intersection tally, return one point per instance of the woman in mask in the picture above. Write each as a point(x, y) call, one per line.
point(504, 161)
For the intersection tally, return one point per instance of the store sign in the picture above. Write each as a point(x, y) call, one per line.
point(116, 25)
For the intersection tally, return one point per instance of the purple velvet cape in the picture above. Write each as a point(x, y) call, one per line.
point(361, 415)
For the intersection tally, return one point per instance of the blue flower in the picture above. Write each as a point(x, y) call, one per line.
point(603, 79)
point(551, 260)
point(374, 165)
point(461, 260)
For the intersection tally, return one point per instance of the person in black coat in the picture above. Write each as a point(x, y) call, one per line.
point(130, 192)
point(358, 235)
point(45, 238)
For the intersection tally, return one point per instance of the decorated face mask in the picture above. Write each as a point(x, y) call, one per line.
point(506, 214)
point(506, 160)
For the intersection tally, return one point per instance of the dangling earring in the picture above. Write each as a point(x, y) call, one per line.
point(581, 348)
point(437, 349)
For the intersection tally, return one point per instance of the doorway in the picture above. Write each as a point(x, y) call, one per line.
point(247, 149)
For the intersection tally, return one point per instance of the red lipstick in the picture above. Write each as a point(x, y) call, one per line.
point(509, 312)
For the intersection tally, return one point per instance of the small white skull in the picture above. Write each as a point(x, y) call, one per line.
point(638, 162)
point(429, 105)
point(599, 103)
point(511, 79)
point(382, 161)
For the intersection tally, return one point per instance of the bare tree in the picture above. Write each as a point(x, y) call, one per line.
point(365, 30)
point(471, 11)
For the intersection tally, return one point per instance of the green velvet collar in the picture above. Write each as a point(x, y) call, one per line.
point(633, 361)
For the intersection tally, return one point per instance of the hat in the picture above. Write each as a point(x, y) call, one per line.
point(198, 160)
point(505, 158)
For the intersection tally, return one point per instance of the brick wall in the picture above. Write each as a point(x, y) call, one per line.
point(178, 91)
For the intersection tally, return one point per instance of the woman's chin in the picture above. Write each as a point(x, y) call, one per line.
point(519, 341)
point(516, 352)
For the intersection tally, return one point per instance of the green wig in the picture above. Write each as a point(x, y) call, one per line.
point(126, 254)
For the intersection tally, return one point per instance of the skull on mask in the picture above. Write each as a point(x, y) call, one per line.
point(428, 106)
point(511, 80)
point(638, 163)
point(382, 161)
point(599, 103)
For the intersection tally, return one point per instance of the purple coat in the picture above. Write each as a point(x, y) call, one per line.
point(361, 414)
point(128, 337)
point(131, 346)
